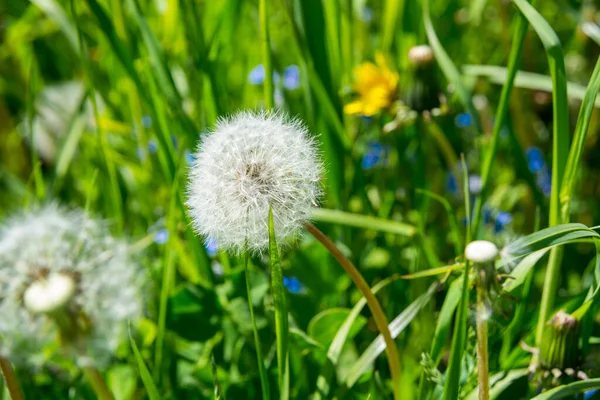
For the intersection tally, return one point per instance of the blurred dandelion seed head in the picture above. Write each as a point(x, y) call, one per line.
point(420, 55)
point(481, 251)
point(250, 162)
point(53, 259)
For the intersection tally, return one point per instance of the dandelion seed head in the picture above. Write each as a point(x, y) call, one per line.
point(481, 251)
point(420, 55)
point(250, 162)
point(50, 259)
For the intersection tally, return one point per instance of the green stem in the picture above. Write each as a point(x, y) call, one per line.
point(266, 54)
point(264, 383)
point(98, 384)
point(549, 291)
point(482, 343)
point(12, 383)
point(501, 114)
point(378, 315)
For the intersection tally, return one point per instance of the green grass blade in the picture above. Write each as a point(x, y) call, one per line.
point(362, 221)
point(501, 115)
point(391, 14)
point(570, 390)
point(281, 315)
point(500, 382)
point(264, 381)
point(266, 53)
point(151, 389)
point(581, 131)
point(452, 220)
point(448, 67)
point(56, 13)
point(524, 80)
point(397, 325)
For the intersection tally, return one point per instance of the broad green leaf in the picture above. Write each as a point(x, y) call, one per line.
point(281, 315)
point(149, 384)
point(521, 271)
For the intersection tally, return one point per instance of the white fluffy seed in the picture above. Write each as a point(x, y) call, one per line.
point(49, 294)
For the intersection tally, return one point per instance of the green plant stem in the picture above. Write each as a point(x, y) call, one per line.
point(98, 384)
point(501, 114)
point(482, 344)
point(12, 383)
point(264, 383)
point(266, 54)
point(549, 291)
point(378, 315)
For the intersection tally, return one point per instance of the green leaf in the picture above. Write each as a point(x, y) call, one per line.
point(520, 273)
point(324, 326)
point(362, 221)
point(149, 384)
point(377, 346)
point(569, 390)
point(500, 382)
point(281, 315)
point(444, 319)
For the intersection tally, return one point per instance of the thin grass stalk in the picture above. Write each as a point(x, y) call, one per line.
point(264, 382)
point(378, 314)
point(514, 61)
point(10, 378)
point(98, 383)
point(266, 54)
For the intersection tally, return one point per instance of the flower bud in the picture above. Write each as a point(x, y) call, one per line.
point(424, 93)
point(560, 342)
point(481, 252)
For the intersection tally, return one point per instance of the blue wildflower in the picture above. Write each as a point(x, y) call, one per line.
point(544, 181)
point(463, 120)
point(257, 75)
point(211, 247)
point(590, 394)
point(502, 219)
point(188, 156)
point(161, 237)
point(146, 121)
point(375, 154)
point(152, 146)
point(292, 284)
point(291, 77)
point(535, 159)
point(486, 214)
point(451, 184)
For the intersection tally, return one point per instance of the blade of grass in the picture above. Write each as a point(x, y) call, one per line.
point(452, 220)
point(281, 315)
point(391, 14)
point(266, 53)
point(459, 337)
point(448, 67)
point(362, 221)
point(569, 390)
point(151, 389)
point(514, 61)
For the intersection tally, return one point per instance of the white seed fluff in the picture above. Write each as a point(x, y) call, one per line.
point(481, 251)
point(51, 256)
point(248, 163)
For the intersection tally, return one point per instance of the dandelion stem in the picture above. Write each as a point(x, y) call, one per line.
point(266, 54)
point(98, 384)
point(264, 383)
point(12, 383)
point(378, 315)
point(482, 344)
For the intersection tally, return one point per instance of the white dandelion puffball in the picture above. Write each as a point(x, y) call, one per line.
point(57, 261)
point(248, 163)
point(481, 251)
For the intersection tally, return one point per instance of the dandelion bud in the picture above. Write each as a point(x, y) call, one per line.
point(49, 294)
point(420, 55)
point(481, 252)
point(560, 343)
point(249, 163)
point(424, 95)
point(65, 280)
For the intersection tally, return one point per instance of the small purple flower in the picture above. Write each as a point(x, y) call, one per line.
point(161, 237)
point(535, 159)
point(257, 75)
point(292, 284)
point(463, 120)
point(291, 77)
point(146, 121)
point(152, 146)
point(212, 247)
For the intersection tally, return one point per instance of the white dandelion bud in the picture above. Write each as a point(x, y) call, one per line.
point(420, 55)
point(248, 163)
point(481, 252)
point(64, 279)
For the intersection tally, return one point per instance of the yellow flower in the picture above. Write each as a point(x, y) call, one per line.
point(376, 85)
